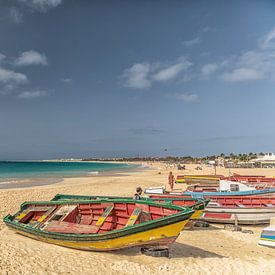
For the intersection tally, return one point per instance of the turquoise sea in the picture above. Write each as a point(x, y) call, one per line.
point(10, 170)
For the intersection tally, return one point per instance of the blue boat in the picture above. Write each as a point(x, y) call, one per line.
point(232, 193)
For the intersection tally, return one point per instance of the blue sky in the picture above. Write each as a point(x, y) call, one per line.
point(126, 78)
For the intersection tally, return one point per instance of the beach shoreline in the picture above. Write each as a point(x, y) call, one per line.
point(26, 182)
point(200, 251)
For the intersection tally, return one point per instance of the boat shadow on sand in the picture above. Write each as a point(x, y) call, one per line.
point(177, 250)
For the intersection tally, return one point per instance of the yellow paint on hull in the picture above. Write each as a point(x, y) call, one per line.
point(266, 239)
point(196, 215)
point(150, 236)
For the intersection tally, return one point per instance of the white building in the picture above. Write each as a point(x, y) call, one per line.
point(266, 161)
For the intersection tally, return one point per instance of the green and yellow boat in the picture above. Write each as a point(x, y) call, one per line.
point(101, 224)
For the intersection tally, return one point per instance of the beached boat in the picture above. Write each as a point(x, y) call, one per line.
point(257, 182)
point(100, 225)
point(268, 236)
point(225, 189)
point(243, 211)
point(198, 178)
point(211, 183)
point(198, 205)
point(231, 209)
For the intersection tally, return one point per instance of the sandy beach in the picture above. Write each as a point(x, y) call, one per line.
point(199, 251)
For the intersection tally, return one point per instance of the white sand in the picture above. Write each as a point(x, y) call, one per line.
point(200, 251)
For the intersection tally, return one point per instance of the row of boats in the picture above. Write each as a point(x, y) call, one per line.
point(244, 200)
point(103, 223)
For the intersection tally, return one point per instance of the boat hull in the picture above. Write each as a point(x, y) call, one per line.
point(163, 236)
point(245, 216)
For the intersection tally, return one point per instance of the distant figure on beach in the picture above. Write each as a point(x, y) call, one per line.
point(171, 180)
point(138, 193)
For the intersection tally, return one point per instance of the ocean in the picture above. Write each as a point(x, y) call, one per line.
point(14, 170)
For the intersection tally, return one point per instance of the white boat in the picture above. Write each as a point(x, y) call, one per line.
point(240, 212)
point(155, 190)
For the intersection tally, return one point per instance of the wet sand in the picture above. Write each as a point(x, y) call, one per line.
point(200, 251)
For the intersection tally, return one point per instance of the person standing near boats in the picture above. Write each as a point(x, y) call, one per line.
point(138, 193)
point(171, 180)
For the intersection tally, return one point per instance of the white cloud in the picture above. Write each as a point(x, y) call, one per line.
point(41, 5)
point(31, 58)
point(171, 71)
point(192, 42)
point(2, 57)
point(142, 75)
point(209, 69)
point(206, 29)
point(137, 76)
point(66, 80)
point(8, 76)
point(11, 82)
point(32, 94)
point(268, 40)
point(256, 64)
point(186, 97)
point(243, 74)
point(16, 15)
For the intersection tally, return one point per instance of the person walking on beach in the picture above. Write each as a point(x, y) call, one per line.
point(138, 193)
point(171, 180)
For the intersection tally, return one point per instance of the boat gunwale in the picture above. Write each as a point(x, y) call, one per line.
point(200, 201)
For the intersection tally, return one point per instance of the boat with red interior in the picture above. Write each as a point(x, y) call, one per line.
point(230, 209)
point(101, 224)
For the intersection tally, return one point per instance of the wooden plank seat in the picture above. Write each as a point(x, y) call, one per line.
point(31, 210)
point(133, 218)
point(104, 216)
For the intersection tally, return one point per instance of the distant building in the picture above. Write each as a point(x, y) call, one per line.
point(240, 164)
point(265, 161)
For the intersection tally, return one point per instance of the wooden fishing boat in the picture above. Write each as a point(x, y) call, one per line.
point(245, 210)
point(268, 236)
point(210, 183)
point(102, 224)
point(223, 192)
point(258, 182)
point(249, 178)
point(198, 178)
point(198, 205)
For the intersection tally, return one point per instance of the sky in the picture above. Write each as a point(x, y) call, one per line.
point(83, 78)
